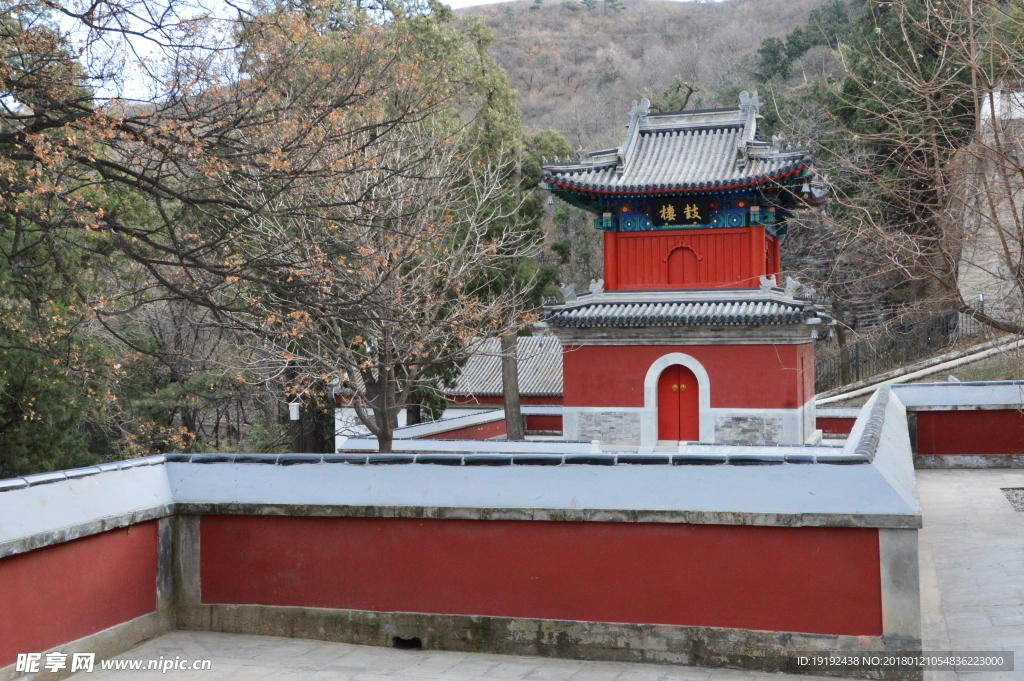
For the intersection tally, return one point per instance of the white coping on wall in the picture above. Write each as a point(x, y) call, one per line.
point(67, 503)
point(857, 494)
point(781, 489)
point(893, 442)
point(949, 396)
point(844, 492)
point(470, 446)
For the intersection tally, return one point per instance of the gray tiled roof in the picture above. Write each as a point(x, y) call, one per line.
point(629, 310)
point(540, 368)
point(685, 151)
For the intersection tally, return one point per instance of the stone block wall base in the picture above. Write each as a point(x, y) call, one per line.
point(659, 644)
point(106, 644)
point(968, 461)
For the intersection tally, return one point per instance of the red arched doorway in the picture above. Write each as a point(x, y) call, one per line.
point(682, 267)
point(678, 404)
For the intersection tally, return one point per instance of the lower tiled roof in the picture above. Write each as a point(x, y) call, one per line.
point(540, 368)
point(716, 313)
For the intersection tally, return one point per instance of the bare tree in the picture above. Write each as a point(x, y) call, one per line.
point(303, 172)
point(934, 101)
point(149, 170)
point(401, 289)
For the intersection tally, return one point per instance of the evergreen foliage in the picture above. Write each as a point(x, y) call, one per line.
point(828, 26)
point(772, 60)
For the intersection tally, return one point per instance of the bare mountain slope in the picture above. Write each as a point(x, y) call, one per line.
point(578, 70)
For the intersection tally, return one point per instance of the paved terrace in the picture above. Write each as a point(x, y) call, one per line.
point(972, 581)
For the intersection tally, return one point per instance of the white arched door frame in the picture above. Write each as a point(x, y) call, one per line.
point(703, 390)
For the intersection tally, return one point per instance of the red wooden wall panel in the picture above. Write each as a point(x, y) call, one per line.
point(809, 579)
point(641, 260)
point(726, 258)
point(64, 592)
point(987, 431)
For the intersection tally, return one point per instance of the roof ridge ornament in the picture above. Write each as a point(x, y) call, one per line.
point(636, 116)
point(748, 100)
point(750, 111)
point(767, 283)
point(791, 286)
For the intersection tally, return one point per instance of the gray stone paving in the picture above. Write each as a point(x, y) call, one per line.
point(972, 582)
point(259, 658)
point(972, 565)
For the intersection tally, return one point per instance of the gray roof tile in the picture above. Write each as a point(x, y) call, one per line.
point(540, 368)
point(696, 313)
point(685, 151)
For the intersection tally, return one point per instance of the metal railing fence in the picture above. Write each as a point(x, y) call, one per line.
point(893, 346)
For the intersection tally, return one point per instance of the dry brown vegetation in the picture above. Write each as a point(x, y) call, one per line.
point(579, 70)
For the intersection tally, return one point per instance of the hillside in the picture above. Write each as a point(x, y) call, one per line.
point(578, 70)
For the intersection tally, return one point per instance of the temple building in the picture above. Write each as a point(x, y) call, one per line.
point(689, 336)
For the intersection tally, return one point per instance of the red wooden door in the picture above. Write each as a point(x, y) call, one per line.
point(678, 405)
point(682, 267)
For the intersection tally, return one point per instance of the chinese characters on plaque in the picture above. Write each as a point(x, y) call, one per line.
point(679, 211)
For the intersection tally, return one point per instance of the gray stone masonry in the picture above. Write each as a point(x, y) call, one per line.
point(748, 430)
point(611, 427)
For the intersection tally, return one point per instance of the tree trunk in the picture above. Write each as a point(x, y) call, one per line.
point(413, 410)
point(298, 435)
point(509, 355)
point(385, 425)
point(313, 435)
point(845, 374)
point(387, 418)
point(510, 387)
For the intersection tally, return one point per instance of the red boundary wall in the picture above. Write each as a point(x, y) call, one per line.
point(544, 422)
point(809, 579)
point(483, 431)
point(62, 593)
point(970, 432)
point(542, 400)
point(835, 426)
